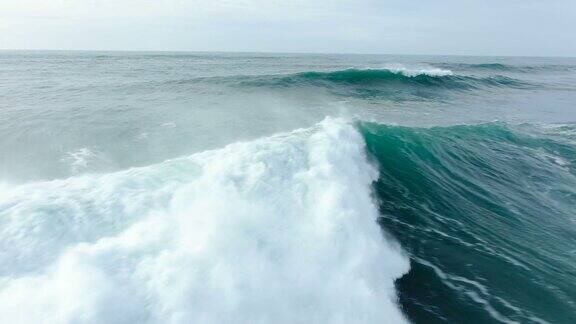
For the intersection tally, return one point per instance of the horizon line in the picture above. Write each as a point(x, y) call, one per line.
point(272, 52)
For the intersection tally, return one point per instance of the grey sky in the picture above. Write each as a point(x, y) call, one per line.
point(481, 27)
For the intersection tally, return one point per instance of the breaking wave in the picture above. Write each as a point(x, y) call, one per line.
point(278, 230)
point(285, 229)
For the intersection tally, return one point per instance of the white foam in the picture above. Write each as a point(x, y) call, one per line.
point(416, 71)
point(279, 230)
point(79, 159)
point(169, 125)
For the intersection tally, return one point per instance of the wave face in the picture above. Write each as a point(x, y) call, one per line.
point(486, 213)
point(279, 230)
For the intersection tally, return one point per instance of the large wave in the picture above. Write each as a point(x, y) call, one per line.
point(279, 230)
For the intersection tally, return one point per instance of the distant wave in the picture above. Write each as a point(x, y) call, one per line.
point(394, 82)
point(379, 78)
point(423, 78)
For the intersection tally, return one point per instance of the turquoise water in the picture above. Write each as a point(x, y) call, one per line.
point(207, 187)
point(486, 212)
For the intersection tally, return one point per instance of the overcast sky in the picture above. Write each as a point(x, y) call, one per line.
point(480, 27)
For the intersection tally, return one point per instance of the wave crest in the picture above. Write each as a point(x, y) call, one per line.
point(279, 230)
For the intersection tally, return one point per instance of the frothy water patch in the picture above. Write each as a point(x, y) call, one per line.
point(78, 160)
point(169, 125)
point(278, 230)
point(142, 136)
point(416, 71)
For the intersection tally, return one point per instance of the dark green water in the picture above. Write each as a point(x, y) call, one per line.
point(486, 213)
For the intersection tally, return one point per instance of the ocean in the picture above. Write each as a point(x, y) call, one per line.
point(164, 187)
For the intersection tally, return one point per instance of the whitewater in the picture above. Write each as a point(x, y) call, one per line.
point(281, 229)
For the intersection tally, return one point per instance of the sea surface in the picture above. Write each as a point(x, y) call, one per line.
point(286, 188)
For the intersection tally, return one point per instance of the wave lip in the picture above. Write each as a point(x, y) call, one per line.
point(281, 229)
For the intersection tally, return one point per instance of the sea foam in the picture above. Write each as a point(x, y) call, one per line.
point(416, 71)
point(278, 230)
